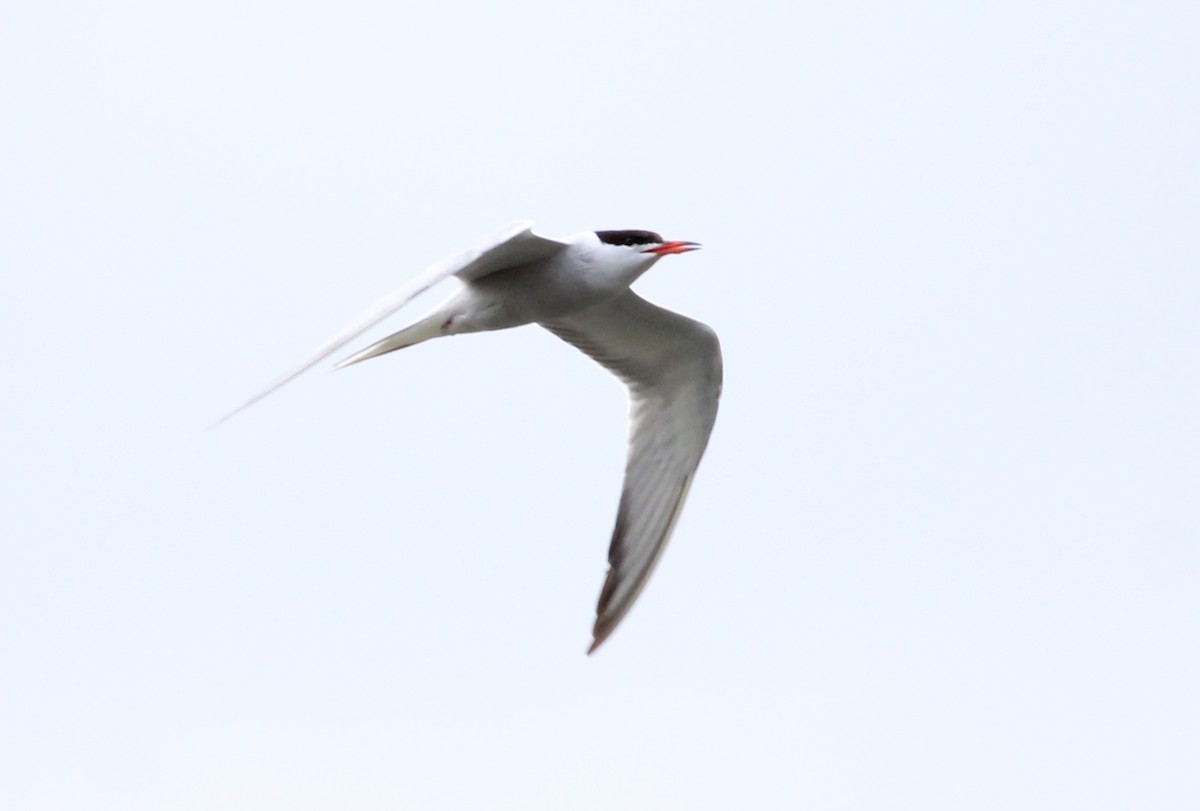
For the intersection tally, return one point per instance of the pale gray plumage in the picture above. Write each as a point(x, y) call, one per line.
point(578, 289)
point(672, 366)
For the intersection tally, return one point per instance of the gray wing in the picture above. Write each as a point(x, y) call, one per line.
point(513, 245)
point(672, 366)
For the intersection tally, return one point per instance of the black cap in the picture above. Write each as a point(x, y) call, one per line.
point(629, 237)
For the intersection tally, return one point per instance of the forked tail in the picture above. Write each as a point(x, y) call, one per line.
point(423, 330)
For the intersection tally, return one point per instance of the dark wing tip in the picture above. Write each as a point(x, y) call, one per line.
point(606, 622)
point(599, 635)
point(608, 615)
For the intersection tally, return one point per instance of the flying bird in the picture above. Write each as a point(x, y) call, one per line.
point(578, 288)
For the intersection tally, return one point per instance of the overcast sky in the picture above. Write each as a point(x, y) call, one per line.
point(943, 552)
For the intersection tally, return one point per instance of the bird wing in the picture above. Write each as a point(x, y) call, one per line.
point(513, 245)
point(672, 366)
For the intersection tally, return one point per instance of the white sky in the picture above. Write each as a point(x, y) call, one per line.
point(943, 553)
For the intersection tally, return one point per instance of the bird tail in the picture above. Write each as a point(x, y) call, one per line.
point(423, 330)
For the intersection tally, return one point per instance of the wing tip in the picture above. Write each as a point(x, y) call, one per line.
point(603, 629)
point(608, 616)
point(227, 416)
point(599, 635)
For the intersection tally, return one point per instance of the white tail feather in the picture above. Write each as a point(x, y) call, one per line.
point(421, 331)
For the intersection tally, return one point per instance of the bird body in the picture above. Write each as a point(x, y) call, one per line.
point(578, 289)
point(584, 273)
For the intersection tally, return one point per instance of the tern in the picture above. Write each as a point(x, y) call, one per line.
point(578, 288)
